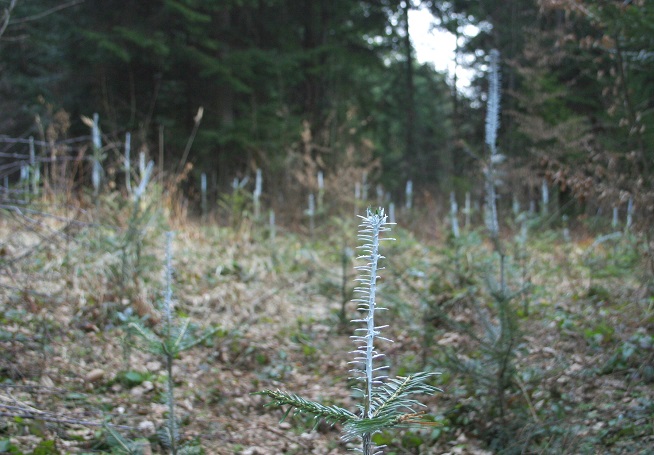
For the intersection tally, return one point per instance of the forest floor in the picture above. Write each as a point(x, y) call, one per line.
point(580, 368)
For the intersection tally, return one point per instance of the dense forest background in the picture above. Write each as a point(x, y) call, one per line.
point(296, 87)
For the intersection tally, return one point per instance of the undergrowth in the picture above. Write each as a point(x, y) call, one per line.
point(544, 341)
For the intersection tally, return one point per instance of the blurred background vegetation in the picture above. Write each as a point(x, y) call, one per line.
point(294, 87)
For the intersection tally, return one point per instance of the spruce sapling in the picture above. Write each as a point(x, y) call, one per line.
point(132, 243)
point(494, 370)
point(386, 402)
point(167, 343)
point(502, 336)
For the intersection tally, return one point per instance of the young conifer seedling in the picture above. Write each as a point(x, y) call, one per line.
point(174, 336)
point(386, 402)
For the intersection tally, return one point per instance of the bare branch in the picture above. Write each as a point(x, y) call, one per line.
point(47, 12)
point(6, 15)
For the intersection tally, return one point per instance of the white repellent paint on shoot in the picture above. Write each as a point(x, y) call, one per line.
point(128, 164)
point(37, 179)
point(312, 205)
point(408, 191)
point(203, 183)
point(96, 171)
point(256, 196)
point(240, 184)
point(145, 178)
point(454, 213)
point(96, 176)
point(492, 126)
point(630, 213)
point(545, 197)
point(141, 164)
point(271, 224)
point(95, 132)
point(24, 179)
point(493, 104)
point(203, 194)
point(366, 354)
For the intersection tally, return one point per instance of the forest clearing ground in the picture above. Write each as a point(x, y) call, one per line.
point(64, 356)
